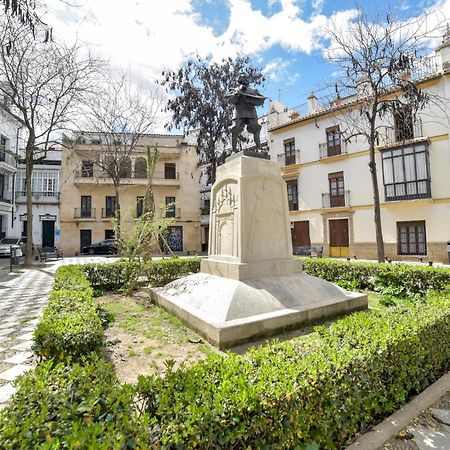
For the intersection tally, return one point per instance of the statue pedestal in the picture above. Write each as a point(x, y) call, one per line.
point(251, 286)
point(250, 234)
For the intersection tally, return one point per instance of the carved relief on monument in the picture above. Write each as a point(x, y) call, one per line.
point(267, 220)
point(224, 216)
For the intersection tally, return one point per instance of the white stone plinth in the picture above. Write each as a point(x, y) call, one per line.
point(249, 233)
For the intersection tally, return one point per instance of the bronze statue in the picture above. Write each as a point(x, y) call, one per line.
point(245, 100)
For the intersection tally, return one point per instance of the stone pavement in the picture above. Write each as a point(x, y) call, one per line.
point(428, 431)
point(23, 296)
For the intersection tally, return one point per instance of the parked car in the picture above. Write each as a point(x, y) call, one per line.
point(106, 247)
point(18, 243)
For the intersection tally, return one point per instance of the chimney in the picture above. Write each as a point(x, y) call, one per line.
point(313, 106)
point(443, 53)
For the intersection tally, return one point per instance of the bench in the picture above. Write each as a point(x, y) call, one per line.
point(47, 253)
point(312, 252)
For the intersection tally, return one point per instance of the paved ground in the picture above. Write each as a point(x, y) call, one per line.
point(23, 296)
point(429, 430)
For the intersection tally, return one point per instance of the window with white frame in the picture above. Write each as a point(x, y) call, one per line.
point(43, 182)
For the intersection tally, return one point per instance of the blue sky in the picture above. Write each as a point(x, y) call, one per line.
point(284, 37)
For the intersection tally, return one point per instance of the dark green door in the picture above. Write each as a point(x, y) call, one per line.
point(48, 233)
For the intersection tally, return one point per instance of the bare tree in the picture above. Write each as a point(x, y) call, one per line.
point(380, 65)
point(41, 84)
point(119, 115)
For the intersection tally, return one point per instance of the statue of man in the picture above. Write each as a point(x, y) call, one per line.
point(245, 100)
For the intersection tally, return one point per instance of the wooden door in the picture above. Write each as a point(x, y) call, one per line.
point(85, 238)
point(339, 241)
point(300, 234)
point(48, 233)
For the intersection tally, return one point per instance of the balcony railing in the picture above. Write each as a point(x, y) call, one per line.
point(288, 160)
point(7, 158)
point(84, 213)
point(102, 174)
point(6, 197)
point(173, 213)
point(335, 201)
point(39, 194)
point(108, 213)
point(392, 135)
point(326, 152)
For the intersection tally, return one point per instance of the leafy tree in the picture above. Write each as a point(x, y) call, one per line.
point(42, 85)
point(200, 104)
point(378, 61)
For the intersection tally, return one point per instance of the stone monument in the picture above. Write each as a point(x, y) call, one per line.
point(250, 285)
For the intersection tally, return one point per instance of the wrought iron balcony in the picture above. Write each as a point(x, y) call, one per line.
point(327, 152)
point(335, 201)
point(173, 213)
point(84, 213)
point(288, 160)
point(405, 132)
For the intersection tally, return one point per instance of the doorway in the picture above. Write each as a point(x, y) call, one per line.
point(339, 241)
point(85, 238)
point(48, 233)
point(300, 234)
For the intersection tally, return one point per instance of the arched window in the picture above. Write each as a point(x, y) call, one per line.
point(125, 167)
point(140, 168)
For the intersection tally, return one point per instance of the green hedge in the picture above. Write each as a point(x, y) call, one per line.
point(80, 405)
point(399, 280)
point(323, 388)
point(70, 325)
point(157, 272)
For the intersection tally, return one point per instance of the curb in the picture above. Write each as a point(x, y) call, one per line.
point(376, 438)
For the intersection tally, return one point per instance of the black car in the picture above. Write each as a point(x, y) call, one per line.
point(106, 247)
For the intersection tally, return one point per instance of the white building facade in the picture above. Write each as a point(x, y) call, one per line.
point(329, 186)
point(9, 135)
point(45, 187)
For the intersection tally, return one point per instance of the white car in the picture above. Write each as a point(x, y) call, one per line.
point(7, 243)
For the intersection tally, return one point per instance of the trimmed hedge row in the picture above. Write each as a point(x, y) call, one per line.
point(157, 272)
point(70, 325)
point(78, 405)
point(399, 280)
point(321, 389)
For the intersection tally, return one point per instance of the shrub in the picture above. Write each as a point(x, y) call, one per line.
point(320, 389)
point(119, 275)
point(79, 405)
point(70, 325)
point(395, 280)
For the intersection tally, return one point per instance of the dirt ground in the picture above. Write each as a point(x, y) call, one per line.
point(143, 336)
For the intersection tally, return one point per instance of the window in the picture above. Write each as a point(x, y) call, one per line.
point(125, 167)
point(404, 126)
point(87, 168)
point(139, 206)
point(110, 210)
point(337, 192)
point(140, 168)
point(170, 206)
point(289, 152)
point(406, 173)
point(333, 140)
point(49, 185)
point(292, 191)
point(86, 206)
point(3, 141)
point(170, 171)
point(109, 234)
point(411, 238)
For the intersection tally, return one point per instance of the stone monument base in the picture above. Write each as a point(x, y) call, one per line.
point(228, 312)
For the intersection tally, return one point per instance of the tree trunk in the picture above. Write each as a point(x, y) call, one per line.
point(376, 201)
point(118, 213)
point(29, 193)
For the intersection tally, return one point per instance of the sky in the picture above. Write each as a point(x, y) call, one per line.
point(283, 37)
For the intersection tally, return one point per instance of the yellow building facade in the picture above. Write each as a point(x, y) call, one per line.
point(88, 201)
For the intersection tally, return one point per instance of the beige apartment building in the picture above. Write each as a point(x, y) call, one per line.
point(88, 197)
point(328, 179)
